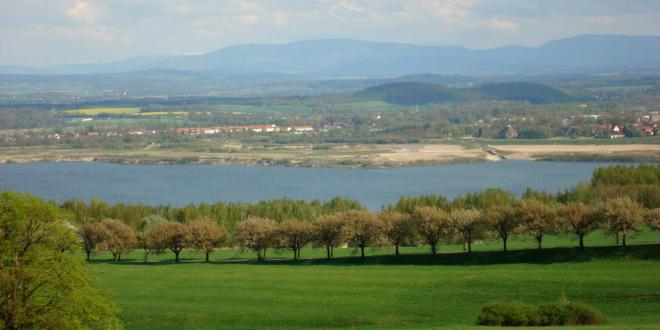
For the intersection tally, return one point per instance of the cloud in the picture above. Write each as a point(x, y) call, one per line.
point(84, 12)
point(280, 18)
point(502, 25)
point(247, 19)
point(348, 9)
point(452, 10)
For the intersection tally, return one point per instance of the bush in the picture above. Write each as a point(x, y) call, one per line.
point(508, 314)
point(582, 314)
point(557, 313)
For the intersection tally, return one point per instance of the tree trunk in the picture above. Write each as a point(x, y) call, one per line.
point(295, 253)
point(433, 249)
point(114, 256)
point(623, 239)
point(176, 256)
point(539, 239)
point(88, 252)
point(146, 256)
point(207, 256)
point(362, 249)
point(119, 256)
point(396, 250)
point(504, 241)
point(327, 250)
point(581, 241)
point(469, 247)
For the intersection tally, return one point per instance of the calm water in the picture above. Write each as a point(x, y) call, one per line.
point(179, 185)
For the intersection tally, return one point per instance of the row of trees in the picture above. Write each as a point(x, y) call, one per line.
point(155, 234)
point(424, 225)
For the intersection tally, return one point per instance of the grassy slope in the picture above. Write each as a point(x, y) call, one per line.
point(412, 291)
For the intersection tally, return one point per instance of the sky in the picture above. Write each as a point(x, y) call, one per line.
point(43, 33)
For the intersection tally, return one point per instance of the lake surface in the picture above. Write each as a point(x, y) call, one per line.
point(182, 184)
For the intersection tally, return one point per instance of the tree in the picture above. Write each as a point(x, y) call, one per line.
point(206, 236)
point(91, 235)
point(397, 228)
point(623, 216)
point(580, 218)
point(468, 223)
point(503, 220)
point(536, 219)
point(117, 238)
point(653, 218)
point(145, 236)
point(362, 228)
point(43, 282)
point(432, 224)
point(295, 234)
point(170, 235)
point(256, 234)
point(328, 230)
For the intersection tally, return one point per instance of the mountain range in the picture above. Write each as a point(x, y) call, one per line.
point(355, 58)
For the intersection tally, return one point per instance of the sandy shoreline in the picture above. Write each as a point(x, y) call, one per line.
point(334, 156)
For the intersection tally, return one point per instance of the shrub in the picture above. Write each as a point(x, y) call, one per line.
point(554, 314)
point(557, 313)
point(508, 314)
point(582, 314)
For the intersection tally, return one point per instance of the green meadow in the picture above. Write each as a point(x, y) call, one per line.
point(413, 291)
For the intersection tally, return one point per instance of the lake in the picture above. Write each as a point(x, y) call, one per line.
point(182, 184)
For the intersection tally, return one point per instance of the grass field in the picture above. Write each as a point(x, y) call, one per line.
point(415, 290)
point(566, 141)
point(99, 111)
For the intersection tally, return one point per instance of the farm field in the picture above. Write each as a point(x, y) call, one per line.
point(415, 290)
point(110, 111)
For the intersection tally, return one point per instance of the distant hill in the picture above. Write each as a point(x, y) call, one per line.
point(424, 93)
point(355, 58)
point(523, 91)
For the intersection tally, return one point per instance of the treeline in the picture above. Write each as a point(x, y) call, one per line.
point(226, 215)
point(424, 220)
point(424, 225)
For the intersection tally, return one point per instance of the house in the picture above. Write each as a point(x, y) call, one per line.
point(303, 128)
point(510, 132)
point(650, 130)
point(612, 131)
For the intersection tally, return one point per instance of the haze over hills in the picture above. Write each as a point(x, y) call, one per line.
point(424, 93)
point(354, 58)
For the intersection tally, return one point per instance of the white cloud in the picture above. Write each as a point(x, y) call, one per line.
point(83, 11)
point(502, 25)
point(280, 18)
point(348, 9)
point(247, 19)
point(451, 10)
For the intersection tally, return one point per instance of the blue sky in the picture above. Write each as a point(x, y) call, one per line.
point(52, 32)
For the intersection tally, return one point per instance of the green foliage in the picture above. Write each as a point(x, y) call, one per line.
point(518, 314)
point(508, 314)
point(43, 283)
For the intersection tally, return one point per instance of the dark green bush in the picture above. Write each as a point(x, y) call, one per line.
point(557, 313)
point(508, 314)
point(582, 314)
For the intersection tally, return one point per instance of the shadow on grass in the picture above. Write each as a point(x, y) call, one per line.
point(529, 256)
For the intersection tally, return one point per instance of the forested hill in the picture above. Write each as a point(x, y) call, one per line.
point(424, 93)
